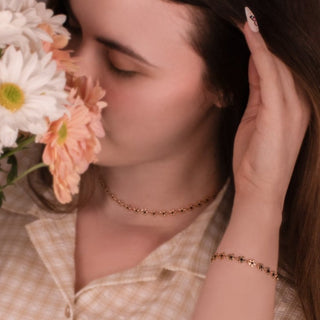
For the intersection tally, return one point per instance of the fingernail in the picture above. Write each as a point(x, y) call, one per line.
point(252, 21)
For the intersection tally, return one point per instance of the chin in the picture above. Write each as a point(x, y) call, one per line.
point(114, 159)
point(108, 159)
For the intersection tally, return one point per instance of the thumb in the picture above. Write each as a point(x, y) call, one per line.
point(254, 84)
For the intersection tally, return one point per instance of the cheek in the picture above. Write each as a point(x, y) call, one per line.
point(142, 111)
point(150, 119)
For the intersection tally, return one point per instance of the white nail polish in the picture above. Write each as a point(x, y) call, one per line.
point(252, 21)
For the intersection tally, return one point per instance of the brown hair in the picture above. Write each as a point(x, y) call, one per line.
point(291, 31)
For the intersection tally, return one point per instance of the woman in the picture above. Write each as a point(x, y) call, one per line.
point(176, 76)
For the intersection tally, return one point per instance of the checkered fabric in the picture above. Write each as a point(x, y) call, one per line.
point(37, 269)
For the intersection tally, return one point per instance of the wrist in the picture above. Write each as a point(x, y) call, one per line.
point(260, 210)
point(252, 233)
point(267, 194)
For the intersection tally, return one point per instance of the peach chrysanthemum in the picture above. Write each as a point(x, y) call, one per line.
point(62, 57)
point(71, 145)
point(92, 95)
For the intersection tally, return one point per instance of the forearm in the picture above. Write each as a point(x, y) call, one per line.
point(237, 291)
point(266, 146)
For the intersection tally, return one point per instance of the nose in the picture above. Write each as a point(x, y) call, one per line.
point(87, 59)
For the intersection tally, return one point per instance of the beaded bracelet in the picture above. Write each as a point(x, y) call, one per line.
point(251, 262)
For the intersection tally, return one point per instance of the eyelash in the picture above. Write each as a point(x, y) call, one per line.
point(121, 73)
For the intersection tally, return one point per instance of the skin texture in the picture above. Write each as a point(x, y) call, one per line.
point(266, 148)
point(159, 110)
point(161, 127)
point(160, 151)
point(160, 123)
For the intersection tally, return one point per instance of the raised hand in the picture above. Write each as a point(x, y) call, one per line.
point(272, 129)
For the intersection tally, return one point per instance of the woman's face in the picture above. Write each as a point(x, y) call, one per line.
point(157, 103)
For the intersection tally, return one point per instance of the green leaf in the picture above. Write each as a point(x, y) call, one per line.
point(13, 173)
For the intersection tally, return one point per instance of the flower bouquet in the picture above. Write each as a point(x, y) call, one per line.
point(44, 99)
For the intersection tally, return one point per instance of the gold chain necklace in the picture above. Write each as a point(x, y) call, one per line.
point(155, 212)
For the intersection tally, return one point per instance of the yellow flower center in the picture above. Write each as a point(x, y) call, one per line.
point(62, 134)
point(11, 96)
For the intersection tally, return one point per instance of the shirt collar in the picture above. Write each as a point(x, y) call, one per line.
point(53, 236)
point(54, 240)
point(188, 251)
point(17, 200)
point(191, 249)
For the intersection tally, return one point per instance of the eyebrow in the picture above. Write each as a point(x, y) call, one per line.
point(115, 45)
point(112, 44)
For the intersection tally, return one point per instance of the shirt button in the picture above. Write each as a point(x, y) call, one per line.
point(67, 312)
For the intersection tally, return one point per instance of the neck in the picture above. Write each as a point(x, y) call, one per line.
point(168, 184)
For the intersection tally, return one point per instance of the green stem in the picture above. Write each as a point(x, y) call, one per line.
point(34, 168)
point(20, 146)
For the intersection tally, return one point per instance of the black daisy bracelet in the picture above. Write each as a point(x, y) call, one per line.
point(251, 262)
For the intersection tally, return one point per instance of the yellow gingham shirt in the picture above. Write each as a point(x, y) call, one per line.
point(37, 269)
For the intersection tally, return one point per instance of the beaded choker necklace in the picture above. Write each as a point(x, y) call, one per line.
point(145, 211)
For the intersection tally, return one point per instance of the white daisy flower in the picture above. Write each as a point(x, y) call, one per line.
point(54, 21)
point(19, 21)
point(11, 27)
point(16, 5)
point(32, 91)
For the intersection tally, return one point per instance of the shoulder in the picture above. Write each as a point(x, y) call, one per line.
point(287, 302)
point(9, 219)
point(12, 225)
point(19, 202)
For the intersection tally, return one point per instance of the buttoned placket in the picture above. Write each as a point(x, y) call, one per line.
point(68, 312)
point(54, 239)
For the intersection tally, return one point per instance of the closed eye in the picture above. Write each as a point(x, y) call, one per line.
point(75, 29)
point(120, 72)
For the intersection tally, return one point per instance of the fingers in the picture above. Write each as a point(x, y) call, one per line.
point(269, 80)
point(254, 101)
point(296, 103)
point(254, 84)
point(274, 95)
point(277, 88)
point(292, 91)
